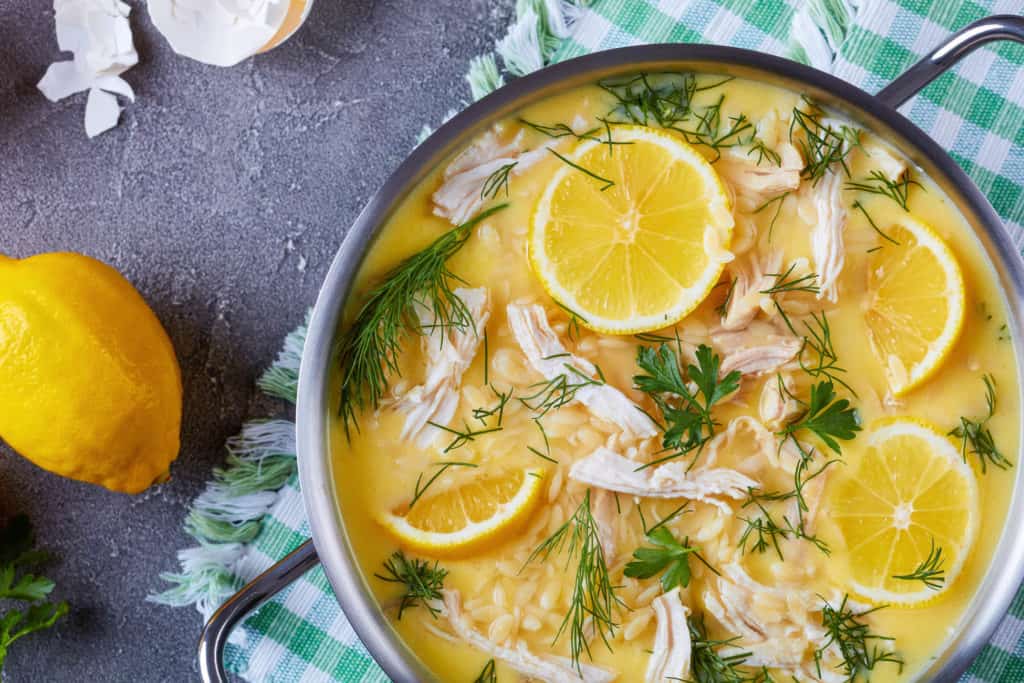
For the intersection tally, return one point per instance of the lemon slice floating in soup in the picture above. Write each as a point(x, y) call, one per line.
point(631, 236)
point(907, 509)
point(478, 514)
point(915, 306)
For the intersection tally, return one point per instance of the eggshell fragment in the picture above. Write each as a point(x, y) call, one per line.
point(218, 32)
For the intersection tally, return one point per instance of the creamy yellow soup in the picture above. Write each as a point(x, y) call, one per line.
point(516, 602)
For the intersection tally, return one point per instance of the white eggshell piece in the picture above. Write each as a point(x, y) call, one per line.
point(218, 32)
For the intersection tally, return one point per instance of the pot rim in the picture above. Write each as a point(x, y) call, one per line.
point(316, 407)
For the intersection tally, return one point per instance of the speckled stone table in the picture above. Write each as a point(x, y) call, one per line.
point(222, 195)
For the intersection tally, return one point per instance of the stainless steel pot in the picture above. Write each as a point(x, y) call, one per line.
point(316, 406)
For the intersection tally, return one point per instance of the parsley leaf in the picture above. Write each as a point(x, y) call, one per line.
point(827, 417)
point(15, 554)
point(686, 410)
point(668, 556)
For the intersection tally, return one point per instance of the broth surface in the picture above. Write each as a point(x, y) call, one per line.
point(517, 601)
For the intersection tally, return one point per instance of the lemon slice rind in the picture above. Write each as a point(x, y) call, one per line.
point(508, 518)
point(716, 238)
point(902, 379)
point(948, 456)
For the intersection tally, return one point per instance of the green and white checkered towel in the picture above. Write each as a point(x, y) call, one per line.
point(252, 514)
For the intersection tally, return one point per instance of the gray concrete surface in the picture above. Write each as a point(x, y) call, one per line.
point(222, 195)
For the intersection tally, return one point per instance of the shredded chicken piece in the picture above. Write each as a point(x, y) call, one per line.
point(461, 193)
point(827, 235)
point(670, 658)
point(608, 470)
point(449, 351)
point(605, 513)
point(886, 161)
point(755, 179)
point(549, 357)
point(751, 279)
point(780, 626)
point(753, 351)
point(777, 404)
point(548, 669)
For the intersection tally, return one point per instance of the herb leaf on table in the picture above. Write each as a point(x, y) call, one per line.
point(18, 585)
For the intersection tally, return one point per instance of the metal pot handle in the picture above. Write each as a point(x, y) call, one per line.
point(263, 587)
point(956, 47)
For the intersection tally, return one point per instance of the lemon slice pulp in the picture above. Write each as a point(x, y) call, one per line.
point(909, 489)
point(484, 511)
point(639, 254)
point(916, 304)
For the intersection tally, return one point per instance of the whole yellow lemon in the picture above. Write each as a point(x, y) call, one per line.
point(89, 384)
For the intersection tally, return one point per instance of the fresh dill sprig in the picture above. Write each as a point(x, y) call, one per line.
point(369, 350)
point(488, 674)
point(783, 283)
point(762, 531)
point(860, 207)
point(763, 151)
point(593, 602)
point(860, 649)
point(561, 130)
point(443, 467)
point(778, 200)
point(423, 582)
point(723, 308)
point(826, 416)
point(817, 355)
point(605, 182)
point(930, 571)
point(687, 414)
point(668, 555)
point(822, 145)
point(709, 131)
point(462, 436)
point(497, 181)
point(573, 328)
point(878, 183)
point(498, 410)
point(976, 436)
point(707, 663)
point(558, 391)
point(546, 455)
point(663, 99)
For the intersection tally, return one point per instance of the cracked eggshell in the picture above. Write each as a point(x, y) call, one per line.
point(220, 32)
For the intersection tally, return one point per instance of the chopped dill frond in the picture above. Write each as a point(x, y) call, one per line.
point(861, 650)
point(783, 283)
point(778, 200)
point(423, 582)
point(498, 410)
point(763, 152)
point(707, 662)
point(644, 99)
point(605, 182)
point(573, 330)
point(546, 455)
point(762, 531)
point(497, 181)
point(822, 145)
point(860, 207)
point(557, 391)
point(723, 308)
point(368, 351)
point(442, 468)
point(818, 343)
point(878, 183)
point(709, 130)
point(976, 436)
point(464, 435)
point(930, 571)
point(488, 674)
point(593, 602)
